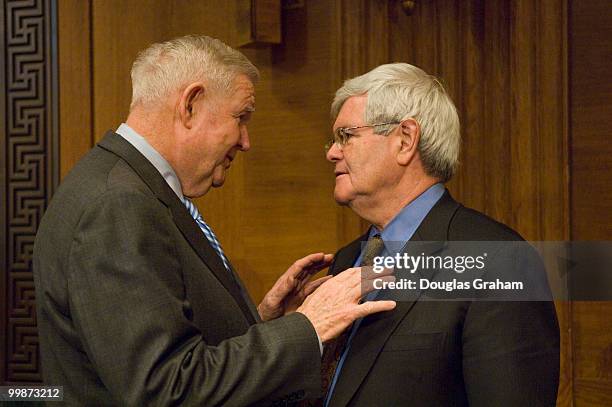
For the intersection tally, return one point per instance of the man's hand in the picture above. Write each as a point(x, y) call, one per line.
point(293, 286)
point(334, 306)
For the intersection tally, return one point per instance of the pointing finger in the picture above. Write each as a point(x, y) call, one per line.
point(375, 284)
point(370, 273)
point(372, 307)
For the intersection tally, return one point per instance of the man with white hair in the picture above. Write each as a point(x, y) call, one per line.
point(395, 143)
point(137, 303)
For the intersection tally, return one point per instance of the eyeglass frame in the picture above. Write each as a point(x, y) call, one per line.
point(341, 132)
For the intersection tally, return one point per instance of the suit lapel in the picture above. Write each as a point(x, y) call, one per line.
point(183, 220)
point(347, 256)
point(376, 329)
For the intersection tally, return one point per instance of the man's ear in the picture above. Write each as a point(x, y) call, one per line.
point(410, 134)
point(187, 103)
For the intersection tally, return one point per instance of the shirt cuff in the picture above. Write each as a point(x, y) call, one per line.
point(320, 344)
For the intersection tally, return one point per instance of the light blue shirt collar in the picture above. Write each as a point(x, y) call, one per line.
point(406, 222)
point(155, 158)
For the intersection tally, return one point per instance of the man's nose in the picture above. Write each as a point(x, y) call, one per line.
point(334, 153)
point(244, 143)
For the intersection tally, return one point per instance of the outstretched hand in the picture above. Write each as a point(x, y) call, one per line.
point(337, 303)
point(294, 286)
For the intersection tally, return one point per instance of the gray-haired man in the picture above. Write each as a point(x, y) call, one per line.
point(396, 142)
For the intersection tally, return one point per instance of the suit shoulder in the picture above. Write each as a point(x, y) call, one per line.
point(470, 224)
point(96, 176)
point(98, 172)
point(123, 177)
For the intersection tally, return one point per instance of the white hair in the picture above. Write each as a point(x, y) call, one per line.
point(168, 66)
point(396, 92)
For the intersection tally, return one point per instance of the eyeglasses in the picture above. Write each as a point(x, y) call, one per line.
point(342, 135)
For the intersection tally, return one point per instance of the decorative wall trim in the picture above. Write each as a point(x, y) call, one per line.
point(29, 170)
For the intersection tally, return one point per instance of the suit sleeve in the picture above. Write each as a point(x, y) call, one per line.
point(127, 301)
point(511, 348)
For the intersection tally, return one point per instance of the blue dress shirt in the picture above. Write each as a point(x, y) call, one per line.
point(395, 235)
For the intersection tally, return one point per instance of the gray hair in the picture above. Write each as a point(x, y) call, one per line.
point(396, 92)
point(165, 67)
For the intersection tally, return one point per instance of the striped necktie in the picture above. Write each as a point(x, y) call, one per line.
point(335, 347)
point(210, 235)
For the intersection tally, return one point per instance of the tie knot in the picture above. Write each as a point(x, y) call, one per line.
point(373, 248)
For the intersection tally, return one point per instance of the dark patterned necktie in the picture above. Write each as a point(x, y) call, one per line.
point(334, 348)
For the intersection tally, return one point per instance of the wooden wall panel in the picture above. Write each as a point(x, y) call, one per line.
point(496, 152)
point(74, 53)
point(472, 100)
point(591, 195)
point(591, 119)
point(522, 136)
point(551, 121)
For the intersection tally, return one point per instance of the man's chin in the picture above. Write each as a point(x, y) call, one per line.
point(218, 178)
point(342, 199)
point(197, 192)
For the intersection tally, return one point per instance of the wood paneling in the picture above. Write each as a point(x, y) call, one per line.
point(591, 119)
point(76, 126)
point(592, 348)
point(591, 195)
point(496, 152)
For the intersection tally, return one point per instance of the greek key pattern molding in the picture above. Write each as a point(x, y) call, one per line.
point(31, 165)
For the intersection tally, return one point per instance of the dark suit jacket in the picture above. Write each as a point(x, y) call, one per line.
point(452, 353)
point(135, 307)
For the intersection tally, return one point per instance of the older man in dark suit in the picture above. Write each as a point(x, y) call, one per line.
point(396, 141)
point(137, 303)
